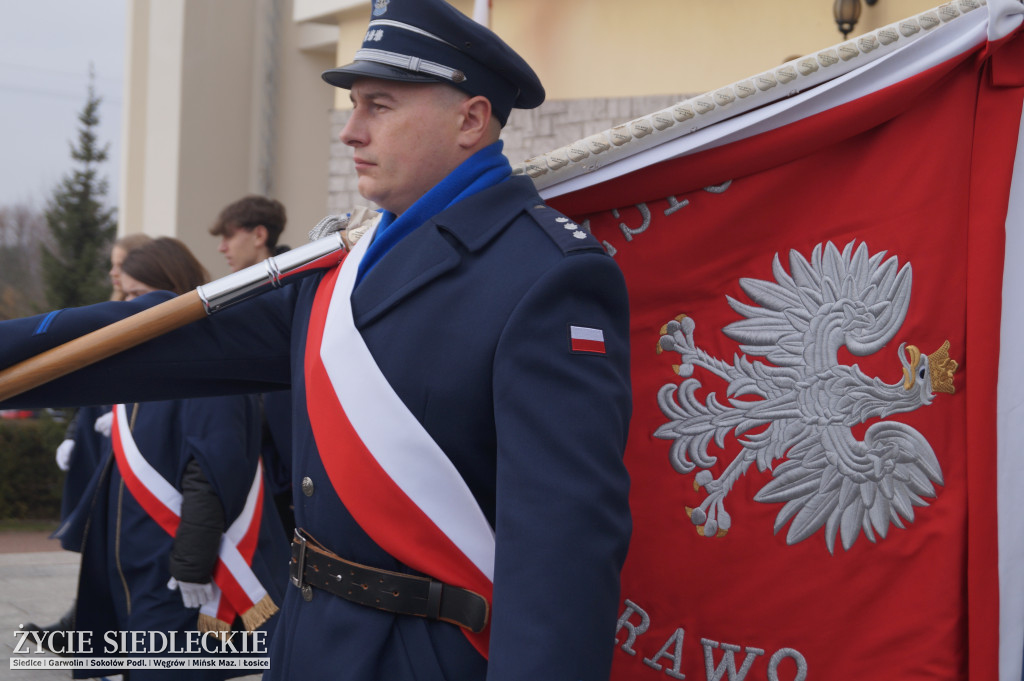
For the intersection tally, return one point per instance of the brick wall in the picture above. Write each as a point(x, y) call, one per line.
point(528, 133)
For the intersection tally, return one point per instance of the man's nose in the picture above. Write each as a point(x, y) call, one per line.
point(352, 135)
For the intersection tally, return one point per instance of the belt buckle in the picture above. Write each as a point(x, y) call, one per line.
point(296, 579)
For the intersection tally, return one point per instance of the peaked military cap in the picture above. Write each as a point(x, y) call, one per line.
point(431, 41)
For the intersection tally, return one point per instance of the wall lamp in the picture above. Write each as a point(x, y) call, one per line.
point(847, 12)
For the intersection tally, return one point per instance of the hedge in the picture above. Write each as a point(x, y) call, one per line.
point(30, 482)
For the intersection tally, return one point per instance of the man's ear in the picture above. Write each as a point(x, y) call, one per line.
point(259, 233)
point(475, 122)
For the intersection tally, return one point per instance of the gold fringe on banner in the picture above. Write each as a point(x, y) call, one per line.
point(259, 613)
point(209, 624)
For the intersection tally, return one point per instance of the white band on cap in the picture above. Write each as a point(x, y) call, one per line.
point(410, 28)
point(408, 63)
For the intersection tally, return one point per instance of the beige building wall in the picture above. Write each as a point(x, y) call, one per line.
point(618, 48)
point(224, 97)
point(605, 62)
point(602, 48)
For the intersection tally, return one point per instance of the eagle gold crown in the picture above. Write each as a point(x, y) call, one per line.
point(942, 367)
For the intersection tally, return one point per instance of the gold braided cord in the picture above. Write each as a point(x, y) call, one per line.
point(699, 112)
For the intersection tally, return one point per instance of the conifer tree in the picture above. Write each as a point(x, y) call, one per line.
point(22, 230)
point(81, 227)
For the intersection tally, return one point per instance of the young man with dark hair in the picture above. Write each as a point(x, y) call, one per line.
point(249, 230)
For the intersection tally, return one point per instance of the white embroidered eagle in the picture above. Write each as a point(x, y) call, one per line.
point(809, 401)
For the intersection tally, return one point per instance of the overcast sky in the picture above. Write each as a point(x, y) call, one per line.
point(46, 47)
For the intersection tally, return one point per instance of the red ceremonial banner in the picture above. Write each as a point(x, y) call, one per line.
point(815, 339)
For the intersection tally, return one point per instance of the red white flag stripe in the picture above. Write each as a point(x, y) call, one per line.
point(424, 515)
point(233, 574)
point(237, 547)
point(154, 484)
point(586, 339)
point(404, 450)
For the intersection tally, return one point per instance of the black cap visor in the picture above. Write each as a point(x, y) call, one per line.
point(345, 76)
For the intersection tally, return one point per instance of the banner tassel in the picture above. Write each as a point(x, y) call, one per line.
point(209, 624)
point(259, 613)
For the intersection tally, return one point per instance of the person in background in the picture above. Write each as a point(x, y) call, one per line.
point(117, 254)
point(141, 572)
point(249, 231)
point(83, 447)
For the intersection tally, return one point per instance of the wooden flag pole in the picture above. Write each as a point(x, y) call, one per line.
point(101, 344)
point(170, 315)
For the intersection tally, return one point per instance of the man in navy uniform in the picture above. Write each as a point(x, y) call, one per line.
point(461, 388)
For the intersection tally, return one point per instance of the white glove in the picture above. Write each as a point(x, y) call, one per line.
point(359, 223)
point(104, 424)
point(351, 225)
point(64, 450)
point(192, 594)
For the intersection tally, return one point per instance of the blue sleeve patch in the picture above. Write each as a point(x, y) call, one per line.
point(44, 325)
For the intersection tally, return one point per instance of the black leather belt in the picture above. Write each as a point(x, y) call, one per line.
point(314, 566)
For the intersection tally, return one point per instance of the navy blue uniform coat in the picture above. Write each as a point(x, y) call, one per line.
point(90, 450)
point(468, 317)
point(125, 553)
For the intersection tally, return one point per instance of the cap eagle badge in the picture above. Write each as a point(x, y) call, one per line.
point(802, 403)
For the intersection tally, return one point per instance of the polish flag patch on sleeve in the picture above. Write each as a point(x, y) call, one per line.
point(586, 339)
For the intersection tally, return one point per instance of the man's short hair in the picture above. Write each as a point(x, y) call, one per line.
point(249, 213)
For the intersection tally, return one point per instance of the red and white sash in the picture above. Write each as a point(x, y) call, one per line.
point(392, 477)
point(236, 588)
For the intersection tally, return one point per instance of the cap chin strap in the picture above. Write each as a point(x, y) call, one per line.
point(413, 64)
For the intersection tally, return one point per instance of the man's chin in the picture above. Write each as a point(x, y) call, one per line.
point(374, 197)
point(367, 188)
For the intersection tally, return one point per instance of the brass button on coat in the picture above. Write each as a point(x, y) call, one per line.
point(307, 486)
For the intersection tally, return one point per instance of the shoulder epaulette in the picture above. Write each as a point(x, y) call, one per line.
point(567, 235)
